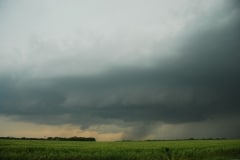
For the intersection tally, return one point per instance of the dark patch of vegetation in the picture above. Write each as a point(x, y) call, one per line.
point(53, 138)
point(220, 138)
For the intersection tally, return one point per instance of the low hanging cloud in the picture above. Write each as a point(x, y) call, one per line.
point(185, 82)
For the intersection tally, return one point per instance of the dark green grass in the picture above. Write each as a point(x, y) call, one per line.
point(156, 150)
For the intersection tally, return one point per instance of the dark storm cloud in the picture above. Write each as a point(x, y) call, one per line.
point(201, 82)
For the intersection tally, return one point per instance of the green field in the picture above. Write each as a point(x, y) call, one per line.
point(146, 150)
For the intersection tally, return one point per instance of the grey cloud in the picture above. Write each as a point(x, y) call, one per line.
point(199, 83)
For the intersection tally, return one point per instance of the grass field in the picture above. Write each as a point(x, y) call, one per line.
point(147, 150)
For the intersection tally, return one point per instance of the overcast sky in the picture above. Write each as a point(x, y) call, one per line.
point(120, 69)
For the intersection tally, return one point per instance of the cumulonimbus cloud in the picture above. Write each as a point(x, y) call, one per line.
point(198, 82)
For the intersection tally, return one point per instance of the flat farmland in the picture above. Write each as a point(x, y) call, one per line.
point(137, 150)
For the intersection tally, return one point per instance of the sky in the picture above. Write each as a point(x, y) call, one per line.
point(120, 69)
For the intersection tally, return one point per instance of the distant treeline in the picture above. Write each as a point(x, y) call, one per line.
point(54, 138)
point(72, 139)
point(221, 138)
point(128, 140)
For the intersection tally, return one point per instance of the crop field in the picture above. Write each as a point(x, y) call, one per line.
point(142, 150)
